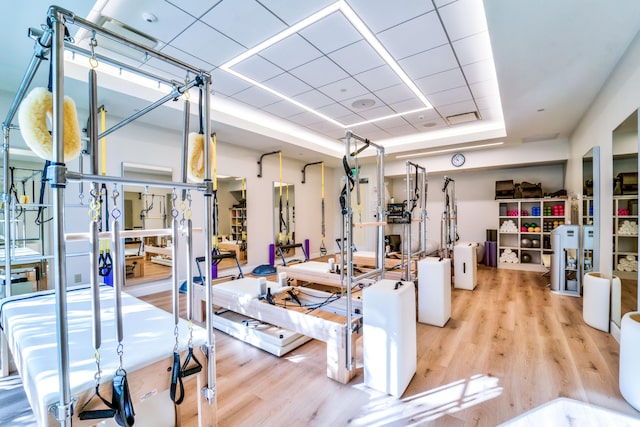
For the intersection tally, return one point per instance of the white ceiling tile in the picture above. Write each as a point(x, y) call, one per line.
point(492, 103)
point(324, 126)
point(293, 11)
point(429, 62)
point(245, 21)
point(488, 88)
point(343, 89)
point(287, 85)
point(367, 129)
point(305, 118)
point(257, 68)
point(479, 71)
point(256, 97)
point(333, 110)
point(421, 118)
point(408, 105)
point(194, 7)
point(182, 56)
point(463, 18)
point(450, 96)
point(282, 109)
point(331, 33)
point(225, 83)
point(394, 94)
point(354, 104)
point(457, 108)
point(357, 57)
point(375, 113)
point(164, 69)
point(380, 15)
point(378, 78)
point(350, 118)
point(204, 42)
point(391, 122)
point(291, 52)
point(417, 35)
point(171, 20)
point(473, 49)
point(313, 99)
point(319, 72)
point(441, 81)
point(401, 130)
point(377, 135)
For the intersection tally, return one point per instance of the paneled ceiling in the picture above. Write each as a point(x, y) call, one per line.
point(409, 74)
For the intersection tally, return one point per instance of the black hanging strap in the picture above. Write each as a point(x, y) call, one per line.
point(121, 400)
point(96, 414)
point(176, 381)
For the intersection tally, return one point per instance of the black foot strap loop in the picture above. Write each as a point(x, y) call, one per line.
point(176, 381)
point(122, 403)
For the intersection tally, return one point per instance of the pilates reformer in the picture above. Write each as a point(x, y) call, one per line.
point(64, 375)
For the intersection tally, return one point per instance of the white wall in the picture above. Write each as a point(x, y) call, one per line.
point(619, 97)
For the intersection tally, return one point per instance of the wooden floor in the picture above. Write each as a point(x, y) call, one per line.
point(510, 346)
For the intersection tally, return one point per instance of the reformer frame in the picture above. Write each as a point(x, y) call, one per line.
point(52, 42)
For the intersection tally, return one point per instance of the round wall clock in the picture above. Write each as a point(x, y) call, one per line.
point(457, 159)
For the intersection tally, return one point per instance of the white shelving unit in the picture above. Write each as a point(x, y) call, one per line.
point(529, 240)
point(238, 220)
point(625, 236)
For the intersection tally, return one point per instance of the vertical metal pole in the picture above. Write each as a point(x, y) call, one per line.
point(6, 289)
point(210, 390)
point(381, 210)
point(406, 254)
point(423, 214)
point(64, 407)
point(189, 231)
point(349, 248)
point(175, 280)
point(6, 198)
point(185, 147)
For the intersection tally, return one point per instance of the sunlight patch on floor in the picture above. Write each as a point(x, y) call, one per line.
point(428, 405)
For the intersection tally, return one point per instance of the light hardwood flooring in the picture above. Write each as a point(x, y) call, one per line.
point(510, 346)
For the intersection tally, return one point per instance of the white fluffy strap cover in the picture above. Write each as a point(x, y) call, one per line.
point(195, 159)
point(34, 111)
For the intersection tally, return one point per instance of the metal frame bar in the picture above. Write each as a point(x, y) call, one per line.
point(58, 176)
point(304, 169)
point(347, 229)
point(260, 161)
point(420, 172)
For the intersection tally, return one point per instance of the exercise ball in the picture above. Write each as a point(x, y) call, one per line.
point(535, 243)
point(526, 258)
point(525, 243)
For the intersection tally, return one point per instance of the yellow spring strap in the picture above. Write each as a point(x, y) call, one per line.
point(103, 141)
point(280, 156)
point(243, 190)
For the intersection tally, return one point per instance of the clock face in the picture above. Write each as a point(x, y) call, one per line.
point(457, 159)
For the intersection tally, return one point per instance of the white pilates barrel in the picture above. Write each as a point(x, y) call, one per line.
point(389, 344)
point(434, 291)
point(596, 300)
point(629, 358)
point(465, 265)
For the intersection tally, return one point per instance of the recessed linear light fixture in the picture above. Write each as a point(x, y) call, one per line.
point(448, 150)
point(364, 31)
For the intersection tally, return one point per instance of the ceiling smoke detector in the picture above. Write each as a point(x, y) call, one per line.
point(457, 119)
point(363, 103)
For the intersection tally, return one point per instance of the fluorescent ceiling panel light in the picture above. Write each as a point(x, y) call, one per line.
point(449, 150)
point(386, 117)
point(364, 31)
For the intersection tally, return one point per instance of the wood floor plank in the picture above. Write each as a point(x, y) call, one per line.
point(510, 346)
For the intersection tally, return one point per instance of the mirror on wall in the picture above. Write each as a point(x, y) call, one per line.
point(232, 218)
point(147, 208)
point(284, 213)
point(625, 215)
point(590, 208)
